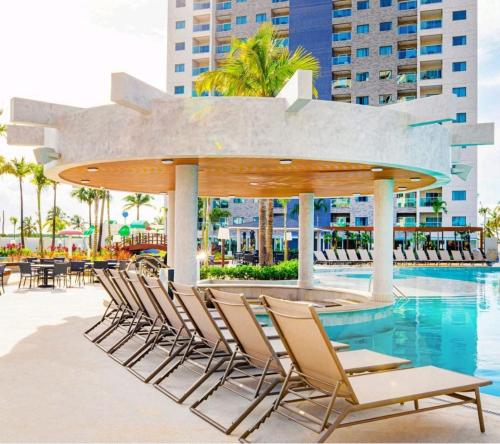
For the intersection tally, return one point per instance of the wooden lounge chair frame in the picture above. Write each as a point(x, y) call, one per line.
point(326, 380)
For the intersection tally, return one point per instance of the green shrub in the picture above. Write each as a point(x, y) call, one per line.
point(283, 271)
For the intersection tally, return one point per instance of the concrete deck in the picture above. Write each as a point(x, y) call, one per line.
point(57, 386)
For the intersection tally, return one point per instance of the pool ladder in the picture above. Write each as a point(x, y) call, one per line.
point(396, 291)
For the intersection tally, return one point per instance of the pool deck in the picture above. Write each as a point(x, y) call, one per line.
point(57, 386)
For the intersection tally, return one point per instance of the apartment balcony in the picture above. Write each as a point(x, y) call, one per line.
point(201, 49)
point(280, 20)
point(407, 78)
point(199, 70)
point(283, 42)
point(431, 224)
point(407, 97)
point(407, 29)
point(406, 222)
point(201, 27)
point(407, 5)
point(222, 49)
point(431, 24)
point(340, 202)
point(341, 36)
point(428, 201)
point(224, 27)
point(406, 202)
point(431, 74)
point(340, 13)
point(342, 83)
point(344, 98)
point(410, 53)
point(343, 59)
point(431, 49)
point(430, 2)
point(199, 6)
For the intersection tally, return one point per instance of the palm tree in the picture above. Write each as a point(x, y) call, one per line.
point(108, 211)
point(77, 222)
point(41, 182)
point(439, 206)
point(85, 195)
point(258, 67)
point(269, 231)
point(56, 220)
point(3, 128)
point(484, 211)
point(29, 226)
point(19, 168)
point(13, 220)
point(284, 204)
point(101, 195)
point(137, 200)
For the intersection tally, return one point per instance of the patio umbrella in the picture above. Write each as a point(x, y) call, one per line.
point(70, 233)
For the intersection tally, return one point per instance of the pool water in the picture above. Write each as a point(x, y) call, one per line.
point(460, 333)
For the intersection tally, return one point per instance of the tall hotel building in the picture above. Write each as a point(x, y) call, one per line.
point(372, 52)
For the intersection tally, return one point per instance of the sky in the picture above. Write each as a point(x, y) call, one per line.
point(64, 51)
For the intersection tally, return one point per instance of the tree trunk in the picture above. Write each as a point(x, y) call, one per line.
point(96, 227)
point(101, 225)
point(269, 232)
point(138, 207)
point(206, 229)
point(40, 230)
point(90, 222)
point(22, 211)
point(53, 243)
point(108, 210)
point(262, 231)
point(3, 222)
point(285, 234)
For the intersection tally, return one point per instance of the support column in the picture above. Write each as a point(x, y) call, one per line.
point(186, 221)
point(238, 240)
point(306, 240)
point(171, 229)
point(383, 246)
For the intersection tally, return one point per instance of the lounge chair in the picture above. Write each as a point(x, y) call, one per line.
point(445, 256)
point(317, 374)
point(457, 256)
point(410, 255)
point(399, 256)
point(320, 258)
point(331, 256)
point(421, 256)
point(365, 256)
point(342, 256)
point(478, 256)
point(352, 256)
point(467, 256)
point(433, 257)
point(259, 365)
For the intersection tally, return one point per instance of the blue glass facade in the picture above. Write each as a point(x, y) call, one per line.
point(311, 28)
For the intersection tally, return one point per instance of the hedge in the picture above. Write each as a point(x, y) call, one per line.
point(283, 271)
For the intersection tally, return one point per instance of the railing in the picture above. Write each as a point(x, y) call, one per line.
point(428, 201)
point(409, 202)
point(144, 239)
point(342, 83)
point(431, 224)
point(281, 20)
point(406, 222)
point(223, 27)
point(407, 53)
point(407, 29)
point(431, 49)
point(405, 6)
point(198, 27)
point(345, 12)
point(201, 5)
point(341, 36)
point(222, 49)
point(199, 70)
point(409, 77)
point(429, 2)
point(431, 74)
point(343, 59)
point(223, 6)
point(406, 98)
point(340, 202)
point(200, 49)
point(281, 43)
point(431, 24)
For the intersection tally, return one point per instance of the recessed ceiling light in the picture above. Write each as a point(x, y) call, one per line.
point(402, 188)
point(377, 169)
point(415, 179)
point(167, 161)
point(286, 161)
point(85, 181)
point(253, 183)
point(92, 169)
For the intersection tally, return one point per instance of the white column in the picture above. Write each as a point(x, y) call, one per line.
point(306, 240)
point(238, 240)
point(186, 221)
point(171, 229)
point(383, 245)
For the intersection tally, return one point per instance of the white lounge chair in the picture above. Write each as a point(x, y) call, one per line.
point(352, 256)
point(410, 255)
point(320, 257)
point(433, 257)
point(365, 257)
point(445, 256)
point(331, 256)
point(399, 256)
point(421, 256)
point(457, 256)
point(342, 256)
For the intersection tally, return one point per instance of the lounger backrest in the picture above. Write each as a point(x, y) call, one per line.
point(330, 254)
point(410, 255)
point(445, 256)
point(456, 255)
point(124, 290)
point(477, 255)
point(308, 345)
point(421, 256)
point(195, 308)
point(169, 311)
point(320, 256)
point(467, 255)
point(342, 255)
point(245, 329)
point(398, 254)
point(133, 280)
point(352, 255)
point(433, 255)
point(364, 255)
point(110, 289)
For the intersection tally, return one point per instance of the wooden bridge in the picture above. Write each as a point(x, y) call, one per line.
point(144, 241)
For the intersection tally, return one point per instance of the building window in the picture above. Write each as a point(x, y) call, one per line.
point(362, 100)
point(460, 91)
point(361, 198)
point(384, 99)
point(180, 46)
point(459, 40)
point(459, 66)
point(460, 118)
point(362, 76)
point(459, 195)
point(385, 26)
point(261, 18)
point(363, 4)
point(361, 221)
point(180, 67)
point(362, 52)
point(385, 74)
point(385, 50)
point(238, 200)
point(256, 218)
point(363, 29)
point(241, 1)
point(180, 3)
point(238, 221)
point(458, 221)
point(241, 20)
point(385, 3)
point(459, 15)
point(179, 89)
point(181, 24)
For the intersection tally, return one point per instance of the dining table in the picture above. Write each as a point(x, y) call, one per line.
point(44, 268)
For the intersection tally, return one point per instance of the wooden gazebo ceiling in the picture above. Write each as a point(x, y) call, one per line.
point(245, 177)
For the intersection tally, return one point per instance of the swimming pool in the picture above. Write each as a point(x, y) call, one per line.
point(457, 327)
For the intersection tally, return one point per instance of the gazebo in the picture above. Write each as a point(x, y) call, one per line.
point(290, 145)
